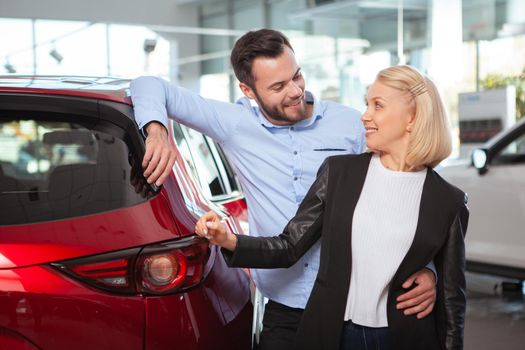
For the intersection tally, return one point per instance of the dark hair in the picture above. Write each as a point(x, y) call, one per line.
point(259, 43)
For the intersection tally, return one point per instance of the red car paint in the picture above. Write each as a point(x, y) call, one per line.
point(41, 307)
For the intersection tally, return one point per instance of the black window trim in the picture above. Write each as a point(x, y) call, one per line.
point(495, 147)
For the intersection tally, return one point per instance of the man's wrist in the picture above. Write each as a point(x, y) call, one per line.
point(154, 127)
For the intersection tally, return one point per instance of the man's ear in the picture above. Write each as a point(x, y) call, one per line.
point(247, 91)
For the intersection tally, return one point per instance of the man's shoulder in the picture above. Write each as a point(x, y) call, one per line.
point(245, 101)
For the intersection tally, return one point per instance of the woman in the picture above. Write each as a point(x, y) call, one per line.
point(381, 216)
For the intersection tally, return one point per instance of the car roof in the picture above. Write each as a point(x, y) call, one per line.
point(103, 88)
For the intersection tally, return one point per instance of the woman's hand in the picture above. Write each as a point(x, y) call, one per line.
point(210, 227)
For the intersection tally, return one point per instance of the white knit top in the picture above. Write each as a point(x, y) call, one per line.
point(384, 225)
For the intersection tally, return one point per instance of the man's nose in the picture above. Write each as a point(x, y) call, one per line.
point(295, 90)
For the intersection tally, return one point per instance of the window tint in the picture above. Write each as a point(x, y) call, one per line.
point(513, 152)
point(54, 170)
point(516, 147)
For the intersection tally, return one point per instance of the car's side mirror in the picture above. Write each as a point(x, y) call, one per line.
point(479, 160)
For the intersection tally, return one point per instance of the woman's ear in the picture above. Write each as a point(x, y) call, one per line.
point(411, 121)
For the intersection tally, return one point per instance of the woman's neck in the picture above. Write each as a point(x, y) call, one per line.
point(397, 162)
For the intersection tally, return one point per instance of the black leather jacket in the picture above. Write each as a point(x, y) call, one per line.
point(326, 213)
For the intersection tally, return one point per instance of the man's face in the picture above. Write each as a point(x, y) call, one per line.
point(279, 89)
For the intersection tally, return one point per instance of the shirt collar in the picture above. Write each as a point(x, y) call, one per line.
point(317, 113)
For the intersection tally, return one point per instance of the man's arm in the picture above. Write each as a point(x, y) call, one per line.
point(154, 100)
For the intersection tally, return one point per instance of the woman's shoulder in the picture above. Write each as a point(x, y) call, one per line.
point(350, 159)
point(347, 167)
point(449, 190)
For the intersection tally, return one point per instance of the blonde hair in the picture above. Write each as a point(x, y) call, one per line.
point(430, 137)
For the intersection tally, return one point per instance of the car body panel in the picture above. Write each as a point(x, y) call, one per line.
point(495, 242)
point(188, 315)
point(55, 312)
point(496, 202)
point(43, 308)
point(44, 242)
point(109, 89)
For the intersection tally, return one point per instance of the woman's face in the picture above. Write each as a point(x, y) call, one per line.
point(388, 118)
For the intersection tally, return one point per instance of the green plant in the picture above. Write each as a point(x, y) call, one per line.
point(494, 81)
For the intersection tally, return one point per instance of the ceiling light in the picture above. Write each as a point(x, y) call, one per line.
point(56, 55)
point(149, 45)
point(9, 67)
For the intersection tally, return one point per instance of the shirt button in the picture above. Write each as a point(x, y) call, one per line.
point(295, 178)
point(291, 127)
point(306, 265)
point(294, 152)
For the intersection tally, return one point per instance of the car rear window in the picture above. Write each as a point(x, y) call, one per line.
point(53, 170)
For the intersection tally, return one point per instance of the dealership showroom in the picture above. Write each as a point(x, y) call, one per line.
point(93, 255)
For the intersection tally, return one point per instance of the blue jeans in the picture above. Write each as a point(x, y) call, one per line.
point(356, 337)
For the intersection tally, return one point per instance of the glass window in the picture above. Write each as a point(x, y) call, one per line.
point(14, 46)
point(54, 170)
point(512, 150)
point(515, 148)
point(81, 48)
point(127, 56)
point(203, 160)
point(247, 14)
point(216, 18)
point(70, 47)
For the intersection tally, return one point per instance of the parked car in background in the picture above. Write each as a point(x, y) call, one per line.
point(91, 256)
point(494, 179)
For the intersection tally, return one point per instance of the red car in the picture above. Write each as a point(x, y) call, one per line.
point(91, 256)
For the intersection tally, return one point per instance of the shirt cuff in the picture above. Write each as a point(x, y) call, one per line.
point(432, 267)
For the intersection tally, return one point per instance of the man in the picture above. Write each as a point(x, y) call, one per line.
point(276, 149)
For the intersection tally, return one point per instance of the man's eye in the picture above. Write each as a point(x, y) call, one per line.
point(278, 88)
point(297, 76)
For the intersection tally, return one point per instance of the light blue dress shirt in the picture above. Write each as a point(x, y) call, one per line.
point(276, 165)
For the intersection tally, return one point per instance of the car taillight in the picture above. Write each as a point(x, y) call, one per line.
point(157, 269)
point(112, 272)
point(172, 266)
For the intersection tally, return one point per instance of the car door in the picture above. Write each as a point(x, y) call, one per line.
point(214, 174)
point(496, 234)
point(210, 166)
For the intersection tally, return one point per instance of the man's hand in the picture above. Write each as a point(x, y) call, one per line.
point(420, 299)
point(160, 154)
point(137, 180)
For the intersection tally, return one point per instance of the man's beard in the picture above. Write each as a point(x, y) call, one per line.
point(278, 115)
